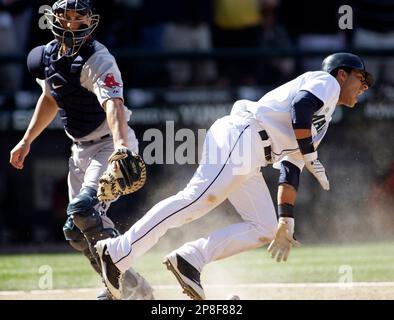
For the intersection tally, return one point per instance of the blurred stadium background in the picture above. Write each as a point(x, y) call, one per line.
point(187, 62)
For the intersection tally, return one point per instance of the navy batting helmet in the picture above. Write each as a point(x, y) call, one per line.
point(58, 21)
point(349, 60)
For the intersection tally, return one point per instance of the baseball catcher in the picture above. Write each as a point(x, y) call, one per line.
point(126, 174)
point(81, 81)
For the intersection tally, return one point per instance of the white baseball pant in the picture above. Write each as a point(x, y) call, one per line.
point(230, 168)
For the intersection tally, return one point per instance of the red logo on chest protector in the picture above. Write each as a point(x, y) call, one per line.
point(110, 81)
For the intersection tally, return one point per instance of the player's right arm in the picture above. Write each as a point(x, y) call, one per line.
point(44, 113)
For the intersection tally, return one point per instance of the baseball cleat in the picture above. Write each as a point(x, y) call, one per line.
point(111, 274)
point(135, 287)
point(187, 276)
point(104, 294)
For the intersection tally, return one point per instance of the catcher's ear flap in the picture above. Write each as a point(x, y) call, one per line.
point(35, 62)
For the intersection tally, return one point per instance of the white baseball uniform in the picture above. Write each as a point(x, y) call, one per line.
point(233, 154)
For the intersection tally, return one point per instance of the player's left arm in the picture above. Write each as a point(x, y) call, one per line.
point(284, 240)
point(304, 105)
point(115, 113)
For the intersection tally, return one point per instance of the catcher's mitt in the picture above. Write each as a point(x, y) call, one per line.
point(129, 176)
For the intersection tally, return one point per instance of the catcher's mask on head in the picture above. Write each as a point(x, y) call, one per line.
point(65, 15)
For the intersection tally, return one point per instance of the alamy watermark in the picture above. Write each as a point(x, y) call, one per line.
point(345, 20)
point(346, 278)
point(43, 22)
point(218, 146)
point(45, 282)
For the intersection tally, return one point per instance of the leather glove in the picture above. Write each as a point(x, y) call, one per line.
point(126, 173)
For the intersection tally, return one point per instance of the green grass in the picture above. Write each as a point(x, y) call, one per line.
point(368, 262)
point(21, 272)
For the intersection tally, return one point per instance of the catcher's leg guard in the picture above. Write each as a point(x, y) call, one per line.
point(76, 239)
point(94, 226)
point(86, 218)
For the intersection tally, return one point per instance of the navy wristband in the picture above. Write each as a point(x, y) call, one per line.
point(286, 210)
point(306, 145)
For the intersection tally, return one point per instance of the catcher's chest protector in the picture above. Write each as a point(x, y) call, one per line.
point(75, 102)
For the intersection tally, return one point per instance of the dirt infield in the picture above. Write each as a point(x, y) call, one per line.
point(256, 291)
